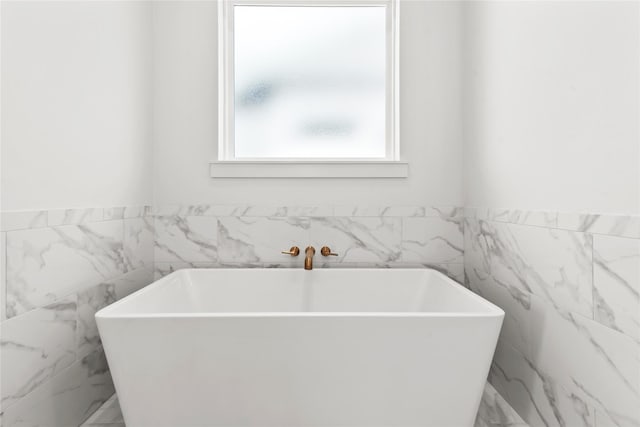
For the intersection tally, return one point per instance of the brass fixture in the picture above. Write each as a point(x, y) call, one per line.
point(326, 251)
point(294, 251)
point(308, 257)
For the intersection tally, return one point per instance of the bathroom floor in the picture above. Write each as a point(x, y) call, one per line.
point(494, 412)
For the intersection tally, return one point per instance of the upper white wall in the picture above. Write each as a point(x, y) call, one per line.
point(551, 94)
point(185, 115)
point(551, 107)
point(76, 104)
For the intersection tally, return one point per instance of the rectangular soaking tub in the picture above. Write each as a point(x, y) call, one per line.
point(293, 348)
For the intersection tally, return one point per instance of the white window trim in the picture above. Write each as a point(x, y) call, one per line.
point(227, 165)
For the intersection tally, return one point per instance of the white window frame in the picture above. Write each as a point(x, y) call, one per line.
point(227, 165)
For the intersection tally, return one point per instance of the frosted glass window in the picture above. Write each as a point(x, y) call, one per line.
point(309, 82)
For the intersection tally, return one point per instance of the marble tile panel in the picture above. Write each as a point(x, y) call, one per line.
point(532, 218)
point(244, 210)
point(109, 414)
point(134, 211)
point(518, 319)
point(22, 220)
point(46, 264)
point(131, 281)
point(68, 399)
point(114, 213)
point(613, 225)
point(89, 302)
point(74, 216)
point(35, 347)
point(537, 396)
point(555, 265)
point(432, 240)
point(399, 211)
point(198, 210)
point(599, 365)
point(355, 239)
point(445, 212)
point(476, 261)
point(616, 283)
point(376, 211)
point(185, 239)
point(251, 240)
point(606, 418)
point(478, 214)
point(139, 242)
point(495, 411)
point(287, 211)
point(606, 224)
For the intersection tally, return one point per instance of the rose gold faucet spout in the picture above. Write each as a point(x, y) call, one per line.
point(308, 257)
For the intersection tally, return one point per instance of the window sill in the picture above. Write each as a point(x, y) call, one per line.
point(308, 169)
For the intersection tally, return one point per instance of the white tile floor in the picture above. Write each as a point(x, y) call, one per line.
point(494, 412)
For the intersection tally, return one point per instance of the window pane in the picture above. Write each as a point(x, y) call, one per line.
point(309, 81)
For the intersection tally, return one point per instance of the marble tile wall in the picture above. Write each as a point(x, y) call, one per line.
point(59, 267)
point(569, 351)
point(254, 236)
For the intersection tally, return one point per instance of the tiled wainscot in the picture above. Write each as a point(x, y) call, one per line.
point(58, 268)
point(251, 236)
point(569, 352)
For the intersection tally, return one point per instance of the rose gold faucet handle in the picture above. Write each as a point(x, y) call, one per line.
point(294, 251)
point(326, 251)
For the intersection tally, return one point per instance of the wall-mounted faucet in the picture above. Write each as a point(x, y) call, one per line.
point(309, 252)
point(308, 257)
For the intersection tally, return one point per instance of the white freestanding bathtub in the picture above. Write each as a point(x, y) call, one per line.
point(289, 348)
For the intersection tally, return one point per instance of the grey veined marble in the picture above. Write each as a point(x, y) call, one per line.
point(44, 265)
point(494, 411)
point(186, 238)
point(359, 239)
point(35, 347)
point(555, 265)
point(138, 242)
point(67, 399)
point(616, 281)
point(432, 240)
point(61, 267)
point(569, 353)
point(259, 239)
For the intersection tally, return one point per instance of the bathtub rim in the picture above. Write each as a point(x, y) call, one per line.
point(491, 310)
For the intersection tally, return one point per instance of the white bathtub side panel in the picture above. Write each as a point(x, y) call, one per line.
point(307, 371)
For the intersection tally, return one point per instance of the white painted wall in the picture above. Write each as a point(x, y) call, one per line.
point(185, 115)
point(552, 115)
point(76, 104)
point(551, 97)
